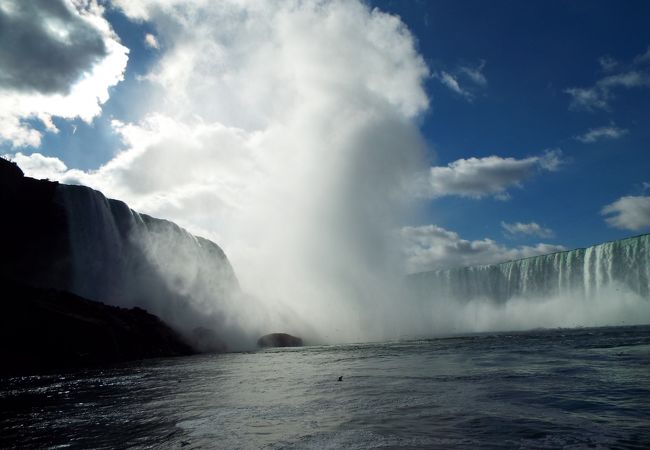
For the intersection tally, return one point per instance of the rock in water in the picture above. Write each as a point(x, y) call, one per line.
point(279, 340)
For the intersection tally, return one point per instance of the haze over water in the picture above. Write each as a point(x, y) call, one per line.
point(330, 148)
point(543, 389)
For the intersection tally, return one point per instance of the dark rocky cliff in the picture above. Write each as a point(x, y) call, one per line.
point(65, 248)
point(33, 231)
point(46, 329)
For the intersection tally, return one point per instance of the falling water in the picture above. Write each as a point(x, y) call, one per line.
point(124, 258)
point(585, 272)
point(128, 259)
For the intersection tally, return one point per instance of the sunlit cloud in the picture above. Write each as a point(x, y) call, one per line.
point(475, 74)
point(151, 41)
point(530, 229)
point(39, 166)
point(471, 77)
point(602, 133)
point(451, 82)
point(61, 58)
point(600, 95)
point(607, 63)
point(431, 247)
point(489, 176)
point(628, 213)
point(280, 120)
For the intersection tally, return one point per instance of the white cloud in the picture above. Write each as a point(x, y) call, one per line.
point(607, 63)
point(643, 57)
point(597, 134)
point(475, 74)
point(469, 74)
point(225, 63)
point(61, 58)
point(146, 10)
point(488, 176)
point(588, 99)
point(286, 132)
point(628, 213)
point(39, 166)
point(431, 247)
point(532, 228)
point(599, 96)
point(452, 83)
point(151, 41)
point(628, 80)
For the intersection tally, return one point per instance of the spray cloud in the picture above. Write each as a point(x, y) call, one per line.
point(285, 132)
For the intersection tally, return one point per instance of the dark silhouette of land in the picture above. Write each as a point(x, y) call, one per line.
point(279, 340)
point(42, 325)
point(45, 329)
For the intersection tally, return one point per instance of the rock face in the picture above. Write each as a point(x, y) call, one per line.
point(45, 329)
point(76, 241)
point(123, 258)
point(33, 231)
point(279, 340)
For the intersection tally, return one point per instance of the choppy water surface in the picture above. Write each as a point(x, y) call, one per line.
point(542, 389)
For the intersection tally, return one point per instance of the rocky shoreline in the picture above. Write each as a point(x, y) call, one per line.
point(47, 329)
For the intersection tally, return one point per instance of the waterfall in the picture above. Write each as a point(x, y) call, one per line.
point(585, 272)
point(124, 258)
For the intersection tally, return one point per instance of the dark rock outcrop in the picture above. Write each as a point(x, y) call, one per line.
point(33, 231)
point(279, 340)
point(46, 329)
point(64, 249)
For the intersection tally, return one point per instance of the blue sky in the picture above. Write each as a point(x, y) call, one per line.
point(533, 51)
point(537, 115)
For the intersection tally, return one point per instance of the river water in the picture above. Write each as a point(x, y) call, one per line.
point(575, 388)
